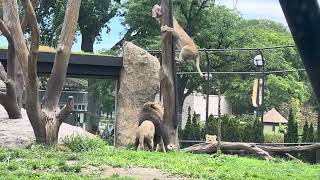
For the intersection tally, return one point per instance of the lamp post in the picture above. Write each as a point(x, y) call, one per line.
point(259, 61)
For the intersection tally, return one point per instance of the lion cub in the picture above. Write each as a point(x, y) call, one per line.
point(212, 139)
point(145, 135)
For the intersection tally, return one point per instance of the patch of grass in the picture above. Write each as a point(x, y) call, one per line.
point(41, 162)
point(68, 168)
point(77, 143)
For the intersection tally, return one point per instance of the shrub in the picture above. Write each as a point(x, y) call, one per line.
point(77, 143)
point(273, 138)
point(292, 132)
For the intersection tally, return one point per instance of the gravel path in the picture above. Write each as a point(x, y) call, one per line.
point(18, 133)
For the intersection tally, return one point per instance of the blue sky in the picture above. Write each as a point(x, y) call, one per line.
point(258, 9)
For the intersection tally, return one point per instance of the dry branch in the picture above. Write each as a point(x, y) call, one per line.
point(292, 157)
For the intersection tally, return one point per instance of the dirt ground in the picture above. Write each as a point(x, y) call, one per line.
point(134, 172)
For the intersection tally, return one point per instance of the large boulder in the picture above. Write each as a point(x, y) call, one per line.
point(18, 133)
point(138, 83)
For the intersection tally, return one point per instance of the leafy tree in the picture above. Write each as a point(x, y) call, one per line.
point(188, 128)
point(305, 134)
point(94, 16)
point(195, 127)
point(311, 134)
point(292, 133)
point(105, 91)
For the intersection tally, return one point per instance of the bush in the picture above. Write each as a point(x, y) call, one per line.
point(77, 143)
point(273, 138)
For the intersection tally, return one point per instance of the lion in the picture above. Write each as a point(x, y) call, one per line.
point(153, 111)
point(211, 139)
point(145, 135)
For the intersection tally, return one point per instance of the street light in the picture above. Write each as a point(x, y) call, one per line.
point(259, 61)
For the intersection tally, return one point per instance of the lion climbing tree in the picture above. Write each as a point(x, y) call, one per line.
point(168, 80)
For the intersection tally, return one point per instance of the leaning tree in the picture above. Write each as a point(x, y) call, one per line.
point(45, 116)
point(13, 79)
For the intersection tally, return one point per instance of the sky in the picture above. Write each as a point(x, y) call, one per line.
point(249, 9)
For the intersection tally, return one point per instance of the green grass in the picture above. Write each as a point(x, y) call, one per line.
point(41, 162)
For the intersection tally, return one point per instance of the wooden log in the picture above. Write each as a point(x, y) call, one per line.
point(292, 157)
point(229, 146)
point(290, 149)
point(244, 148)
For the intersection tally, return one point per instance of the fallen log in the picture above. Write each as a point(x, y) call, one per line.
point(227, 147)
point(244, 148)
point(292, 157)
point(290, 149)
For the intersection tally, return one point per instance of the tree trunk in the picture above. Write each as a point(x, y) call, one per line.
point(46, 120)
point(87, 42)
point(13, 79)
point(168, 79)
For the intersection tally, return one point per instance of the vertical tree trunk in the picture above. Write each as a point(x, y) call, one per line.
point(87, 43)
point(92, 122)
point(46, 120)
point(168, 78)
point(13, 79)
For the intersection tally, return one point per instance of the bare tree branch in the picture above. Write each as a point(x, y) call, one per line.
point(11, 19)
point(33, 107)
point(56, 80)
point(24, 22)
point(67, 109)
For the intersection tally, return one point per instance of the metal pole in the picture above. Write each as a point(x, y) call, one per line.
point(318, 138)
point(262, 96)
point(219, 121)
point(207, 89)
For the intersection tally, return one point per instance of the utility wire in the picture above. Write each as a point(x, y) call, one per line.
point(246, 72)
point(233, 49)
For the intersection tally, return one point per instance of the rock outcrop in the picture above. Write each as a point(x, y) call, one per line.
point(138, 83)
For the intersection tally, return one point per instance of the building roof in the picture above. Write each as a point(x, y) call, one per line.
point(273, 116)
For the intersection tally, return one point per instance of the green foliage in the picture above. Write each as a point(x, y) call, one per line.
point(273, 138)
point(79, 143)
point(305, 135)
point(292, 132)
point(243, 128)
point(105, 90)
point(308, 136)
point(192, 129)
point(93, 17)
point(252, 131)
point(195, 127)
point(311, 137)
point(43, 162)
